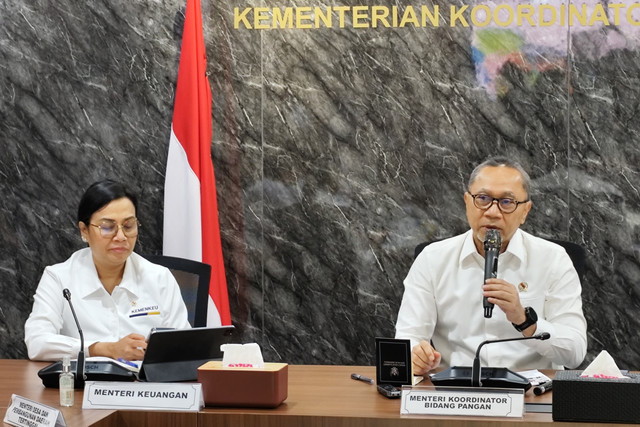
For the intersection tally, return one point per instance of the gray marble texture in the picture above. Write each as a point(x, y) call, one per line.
point(336, 150)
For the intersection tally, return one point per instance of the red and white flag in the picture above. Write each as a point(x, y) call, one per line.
point(191, 226)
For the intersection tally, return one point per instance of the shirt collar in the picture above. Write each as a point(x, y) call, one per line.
point(515, 247)
point(468, 247)
point(86, 271)
point(128, 283)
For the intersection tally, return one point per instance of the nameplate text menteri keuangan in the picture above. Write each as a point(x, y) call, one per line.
point(142, 395)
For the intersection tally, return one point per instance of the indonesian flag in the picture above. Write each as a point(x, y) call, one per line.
point(191, 227)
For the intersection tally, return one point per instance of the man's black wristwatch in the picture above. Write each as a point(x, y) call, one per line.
point(532, 318)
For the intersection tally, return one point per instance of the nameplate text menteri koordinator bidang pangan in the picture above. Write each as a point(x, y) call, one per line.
point(464, 401)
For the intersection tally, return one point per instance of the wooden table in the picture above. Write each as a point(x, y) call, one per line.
point(317, 396)
point(21, 377)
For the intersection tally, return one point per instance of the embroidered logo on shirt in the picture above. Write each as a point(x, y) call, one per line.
point(523, 287)
point(151, 310)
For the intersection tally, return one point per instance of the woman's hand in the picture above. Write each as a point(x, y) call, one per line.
point(131, 347)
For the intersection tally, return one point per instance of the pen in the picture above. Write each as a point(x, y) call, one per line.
point(542, 388)
point(361, 378)
point(126, 362)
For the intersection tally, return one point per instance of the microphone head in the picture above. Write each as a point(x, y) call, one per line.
point(543, 336)
point(66, 294)
point(492, 240)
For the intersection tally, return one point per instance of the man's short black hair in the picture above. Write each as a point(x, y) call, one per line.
point(502, 161)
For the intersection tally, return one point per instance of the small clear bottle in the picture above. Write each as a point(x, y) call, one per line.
point(66, 383)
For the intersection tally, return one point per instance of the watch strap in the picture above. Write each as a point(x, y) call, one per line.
point(532, 319)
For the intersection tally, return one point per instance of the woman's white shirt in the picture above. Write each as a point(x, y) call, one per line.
point(148, 296)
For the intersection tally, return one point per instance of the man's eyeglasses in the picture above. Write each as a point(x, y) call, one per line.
point(505, 204)
point(109, 229)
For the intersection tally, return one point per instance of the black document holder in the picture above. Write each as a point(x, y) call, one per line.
point(393, 361)
point(175, 355)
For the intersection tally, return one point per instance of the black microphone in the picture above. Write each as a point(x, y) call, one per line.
point(80, 376)
point(542, 388)
point(475, 369)
point(492, 244)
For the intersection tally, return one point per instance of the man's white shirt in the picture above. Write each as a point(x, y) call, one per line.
point(443, 302)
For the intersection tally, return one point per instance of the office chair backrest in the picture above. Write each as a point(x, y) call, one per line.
point(420, 247)
point(576, 252)
point(193, 278)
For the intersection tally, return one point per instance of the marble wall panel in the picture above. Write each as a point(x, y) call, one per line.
point(605, 188)
point(87, 92)
point(336, 152)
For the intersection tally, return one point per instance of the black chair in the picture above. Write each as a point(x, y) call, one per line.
point(420, 247)
point(576, 252)
point(193, 278)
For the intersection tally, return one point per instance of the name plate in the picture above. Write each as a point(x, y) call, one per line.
point(26, 413)
point(141, 395)
point(484, 402)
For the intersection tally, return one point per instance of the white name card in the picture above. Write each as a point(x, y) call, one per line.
point(462, 401)
point(26, 413)
point(141, 395)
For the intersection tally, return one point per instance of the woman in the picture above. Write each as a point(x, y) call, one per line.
point(118, 296)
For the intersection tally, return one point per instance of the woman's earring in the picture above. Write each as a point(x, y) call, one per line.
point(84, 239)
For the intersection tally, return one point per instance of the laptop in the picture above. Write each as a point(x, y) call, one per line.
point(175, 354)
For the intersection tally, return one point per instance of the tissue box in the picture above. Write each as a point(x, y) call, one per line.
point(595, 399)
point(244, 387)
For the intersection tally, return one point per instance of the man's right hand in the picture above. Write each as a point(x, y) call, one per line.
point(424, 358)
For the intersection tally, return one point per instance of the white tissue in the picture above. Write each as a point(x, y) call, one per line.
point(242, 356)
point(603, 366)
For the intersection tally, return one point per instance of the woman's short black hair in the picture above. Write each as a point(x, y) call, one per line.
point(101, 193)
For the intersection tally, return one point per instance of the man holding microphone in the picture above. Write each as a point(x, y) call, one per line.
point(536, 290)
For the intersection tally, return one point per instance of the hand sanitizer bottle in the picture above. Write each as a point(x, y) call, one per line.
point(66, 383)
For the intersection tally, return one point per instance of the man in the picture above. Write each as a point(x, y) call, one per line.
point(537, 289)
